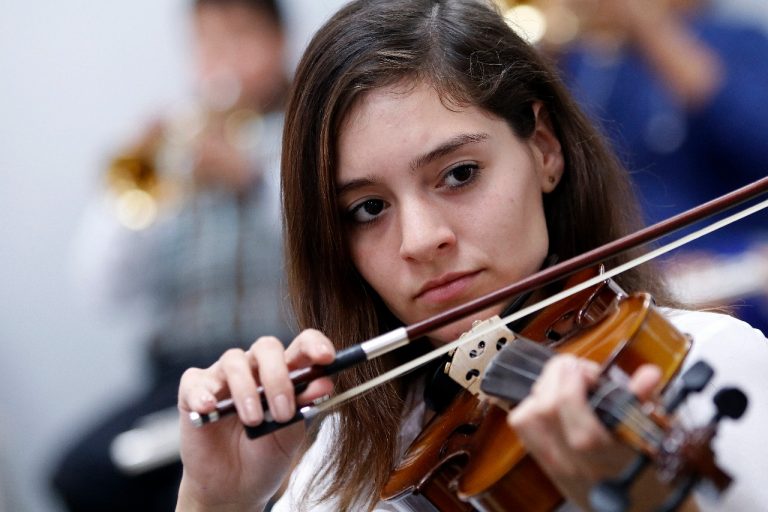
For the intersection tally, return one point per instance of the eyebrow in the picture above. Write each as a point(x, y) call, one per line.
point(448, 147)
point(443, 149)
point(353, 184)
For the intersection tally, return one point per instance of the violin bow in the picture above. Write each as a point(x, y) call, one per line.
point(402, 336)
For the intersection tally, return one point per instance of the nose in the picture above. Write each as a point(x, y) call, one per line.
point(426, 231)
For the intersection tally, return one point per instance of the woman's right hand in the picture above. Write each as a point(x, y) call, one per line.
point(223, 468)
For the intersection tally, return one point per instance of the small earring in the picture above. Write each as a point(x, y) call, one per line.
point(552, 180)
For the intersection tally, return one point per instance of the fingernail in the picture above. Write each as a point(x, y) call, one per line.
point(282, 408)
point(251, 413)
point(571, 364)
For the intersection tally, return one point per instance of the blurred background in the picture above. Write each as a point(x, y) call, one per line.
point(77, 79)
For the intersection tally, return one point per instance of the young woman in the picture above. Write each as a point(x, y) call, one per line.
point(430, 157)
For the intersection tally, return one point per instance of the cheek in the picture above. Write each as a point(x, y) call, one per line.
point(535, 238)
point(366, 253)
point(376, 261)
point(519, 239)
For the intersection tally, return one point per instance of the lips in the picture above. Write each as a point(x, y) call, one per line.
point(446, 288)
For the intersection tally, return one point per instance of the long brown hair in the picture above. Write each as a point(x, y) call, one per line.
point(470, 55)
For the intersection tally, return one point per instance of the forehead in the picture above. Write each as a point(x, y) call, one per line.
point(398, 98)
point(228, 19)
point(393, 122)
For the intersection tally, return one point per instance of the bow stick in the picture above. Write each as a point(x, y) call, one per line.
point(402, 336)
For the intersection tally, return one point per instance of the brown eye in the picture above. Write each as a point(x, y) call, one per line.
point(461, 175)
point(367, 210)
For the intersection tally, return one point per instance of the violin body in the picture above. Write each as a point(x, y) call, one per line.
point(468, 458)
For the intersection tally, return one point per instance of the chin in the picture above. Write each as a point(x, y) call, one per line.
point(454, 330)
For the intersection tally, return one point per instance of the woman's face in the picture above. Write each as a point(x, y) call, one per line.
point(441, 205)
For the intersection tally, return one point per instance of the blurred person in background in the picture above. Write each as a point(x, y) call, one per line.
point(682, 93)
point(189, 233)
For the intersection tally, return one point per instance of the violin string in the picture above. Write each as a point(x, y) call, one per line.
point(444, 349)
point(644, 426)
point(628, 413)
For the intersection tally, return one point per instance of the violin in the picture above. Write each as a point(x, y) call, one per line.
point(468, 458)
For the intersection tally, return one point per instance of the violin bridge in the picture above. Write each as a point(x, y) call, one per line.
point(469, 361)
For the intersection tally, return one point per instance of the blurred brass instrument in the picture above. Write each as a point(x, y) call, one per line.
point(136, 186)
point(154, 176)
point(555, 23)
point(542, 22)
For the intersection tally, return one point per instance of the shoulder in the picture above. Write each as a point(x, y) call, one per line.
point(711, 328)
point(739, 355)
point(308, 481)
point(733, 348)
point(305, 474)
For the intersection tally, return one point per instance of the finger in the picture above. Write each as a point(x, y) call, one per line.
point(583, 431)
point(539, 430)
point(537, 421)
point(316, 389)
point(268, 354)
point(557, 373)
point(308, 348)
point(235, 368)
point(550, 388)
point(197, 391)
point(645, 381)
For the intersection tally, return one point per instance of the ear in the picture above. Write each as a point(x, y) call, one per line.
point(547, 150)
